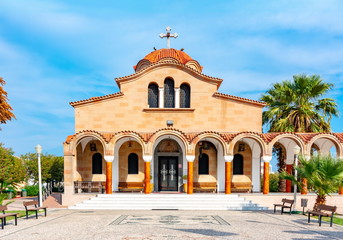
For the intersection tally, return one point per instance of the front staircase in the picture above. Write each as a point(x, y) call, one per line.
point(162, 201)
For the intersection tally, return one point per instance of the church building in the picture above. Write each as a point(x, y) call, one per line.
point(169, 129)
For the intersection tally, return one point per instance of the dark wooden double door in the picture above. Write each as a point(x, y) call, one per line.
point(167, 173)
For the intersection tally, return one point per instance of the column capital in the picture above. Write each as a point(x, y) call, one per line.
point(190, 158)
point(147, 158)
point(109, 158)
point(228, 158)
point(266, 158)
point(176, 89)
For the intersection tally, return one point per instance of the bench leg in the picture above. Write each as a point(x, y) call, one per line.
point(27, 214)
point(309, 215)
point(274, 208)
point(36, 214)
point(320, 220)
point(45, 211)
point(282, 210)
point(16, 220)
point(2, 223)
point(331, 219)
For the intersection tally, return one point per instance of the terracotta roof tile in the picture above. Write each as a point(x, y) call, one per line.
point(157, 55)
point(240, 99)
point(95, 99)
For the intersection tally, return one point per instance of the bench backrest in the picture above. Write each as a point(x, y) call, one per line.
point(205, 184)
point(286, 201)
point(3, 208)
point(323, 207)
point(30, 203)
point(131, 184)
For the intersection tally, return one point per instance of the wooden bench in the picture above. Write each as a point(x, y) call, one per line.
point(286, 203)
point(323, 210)
point(131, 186)
point(4, 215)
point(205, 187)
point(241, 183)
point(27, 204)
point(89, 186)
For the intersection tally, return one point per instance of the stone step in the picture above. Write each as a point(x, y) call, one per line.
point(136, 201)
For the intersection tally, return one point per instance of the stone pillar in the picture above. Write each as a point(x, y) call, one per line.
point(69, 168)
point(190, 161)
point(177, 97)
point(109, 160)
point(147, 159)
point(289, 168)
point(161, 97)
point(266, 160)
point(228, 170)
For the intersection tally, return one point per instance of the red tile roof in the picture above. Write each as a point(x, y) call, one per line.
point(240, 99)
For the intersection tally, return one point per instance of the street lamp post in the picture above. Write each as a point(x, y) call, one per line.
point(296, 151)
point(39, 151)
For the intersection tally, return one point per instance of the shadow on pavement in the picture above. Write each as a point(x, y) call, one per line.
point(206, 232)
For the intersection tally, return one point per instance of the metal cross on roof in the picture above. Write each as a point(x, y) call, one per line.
point(168, 35)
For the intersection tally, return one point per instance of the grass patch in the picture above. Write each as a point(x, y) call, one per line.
point(336, 220)
point(21, 213)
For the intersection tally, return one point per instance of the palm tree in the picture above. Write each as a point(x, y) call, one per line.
point(324, 176)
point(298, 106)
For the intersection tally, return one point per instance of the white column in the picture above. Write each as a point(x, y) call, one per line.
point(256, 173)
point(161, 97)
point(177, 97)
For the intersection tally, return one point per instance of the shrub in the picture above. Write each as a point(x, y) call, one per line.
point(274, 182)
point(32, 190)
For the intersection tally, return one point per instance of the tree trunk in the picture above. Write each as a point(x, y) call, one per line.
point(319, 200)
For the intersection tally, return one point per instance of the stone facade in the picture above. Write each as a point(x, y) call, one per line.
point(122, 123)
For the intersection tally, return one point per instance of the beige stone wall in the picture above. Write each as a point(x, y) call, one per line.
point(247, 159)
point(127, 112)
point(124, 153)
point(212, 156)
point(84, 164)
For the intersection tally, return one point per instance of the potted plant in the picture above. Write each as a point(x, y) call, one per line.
point(185, 177)
point(151, 185)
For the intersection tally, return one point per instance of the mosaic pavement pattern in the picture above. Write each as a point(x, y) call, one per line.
point(169, 220)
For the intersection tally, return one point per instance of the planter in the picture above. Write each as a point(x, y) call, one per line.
point(23, 193)
point(9, 195)
point(185, 187)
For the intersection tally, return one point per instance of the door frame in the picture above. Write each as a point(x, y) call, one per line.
point(159, 175)
point(155, 163)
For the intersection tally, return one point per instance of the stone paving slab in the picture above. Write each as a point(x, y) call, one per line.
point(98, 224)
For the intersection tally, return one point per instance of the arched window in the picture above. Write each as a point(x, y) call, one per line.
point(185, 96)
point(133, 163)
point(97, 163)
point(169, 93)
point(238, 164)
point(203, 164)
point(153, 95)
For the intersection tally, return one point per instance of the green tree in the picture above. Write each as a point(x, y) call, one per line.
point(5, 109)
point(12, 169)
point(324, 175)
point(298, 106)
point(51, 166)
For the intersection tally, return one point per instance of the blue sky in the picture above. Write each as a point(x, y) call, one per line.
point(55, 52)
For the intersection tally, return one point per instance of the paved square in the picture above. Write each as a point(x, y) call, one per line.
point(155, 225)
